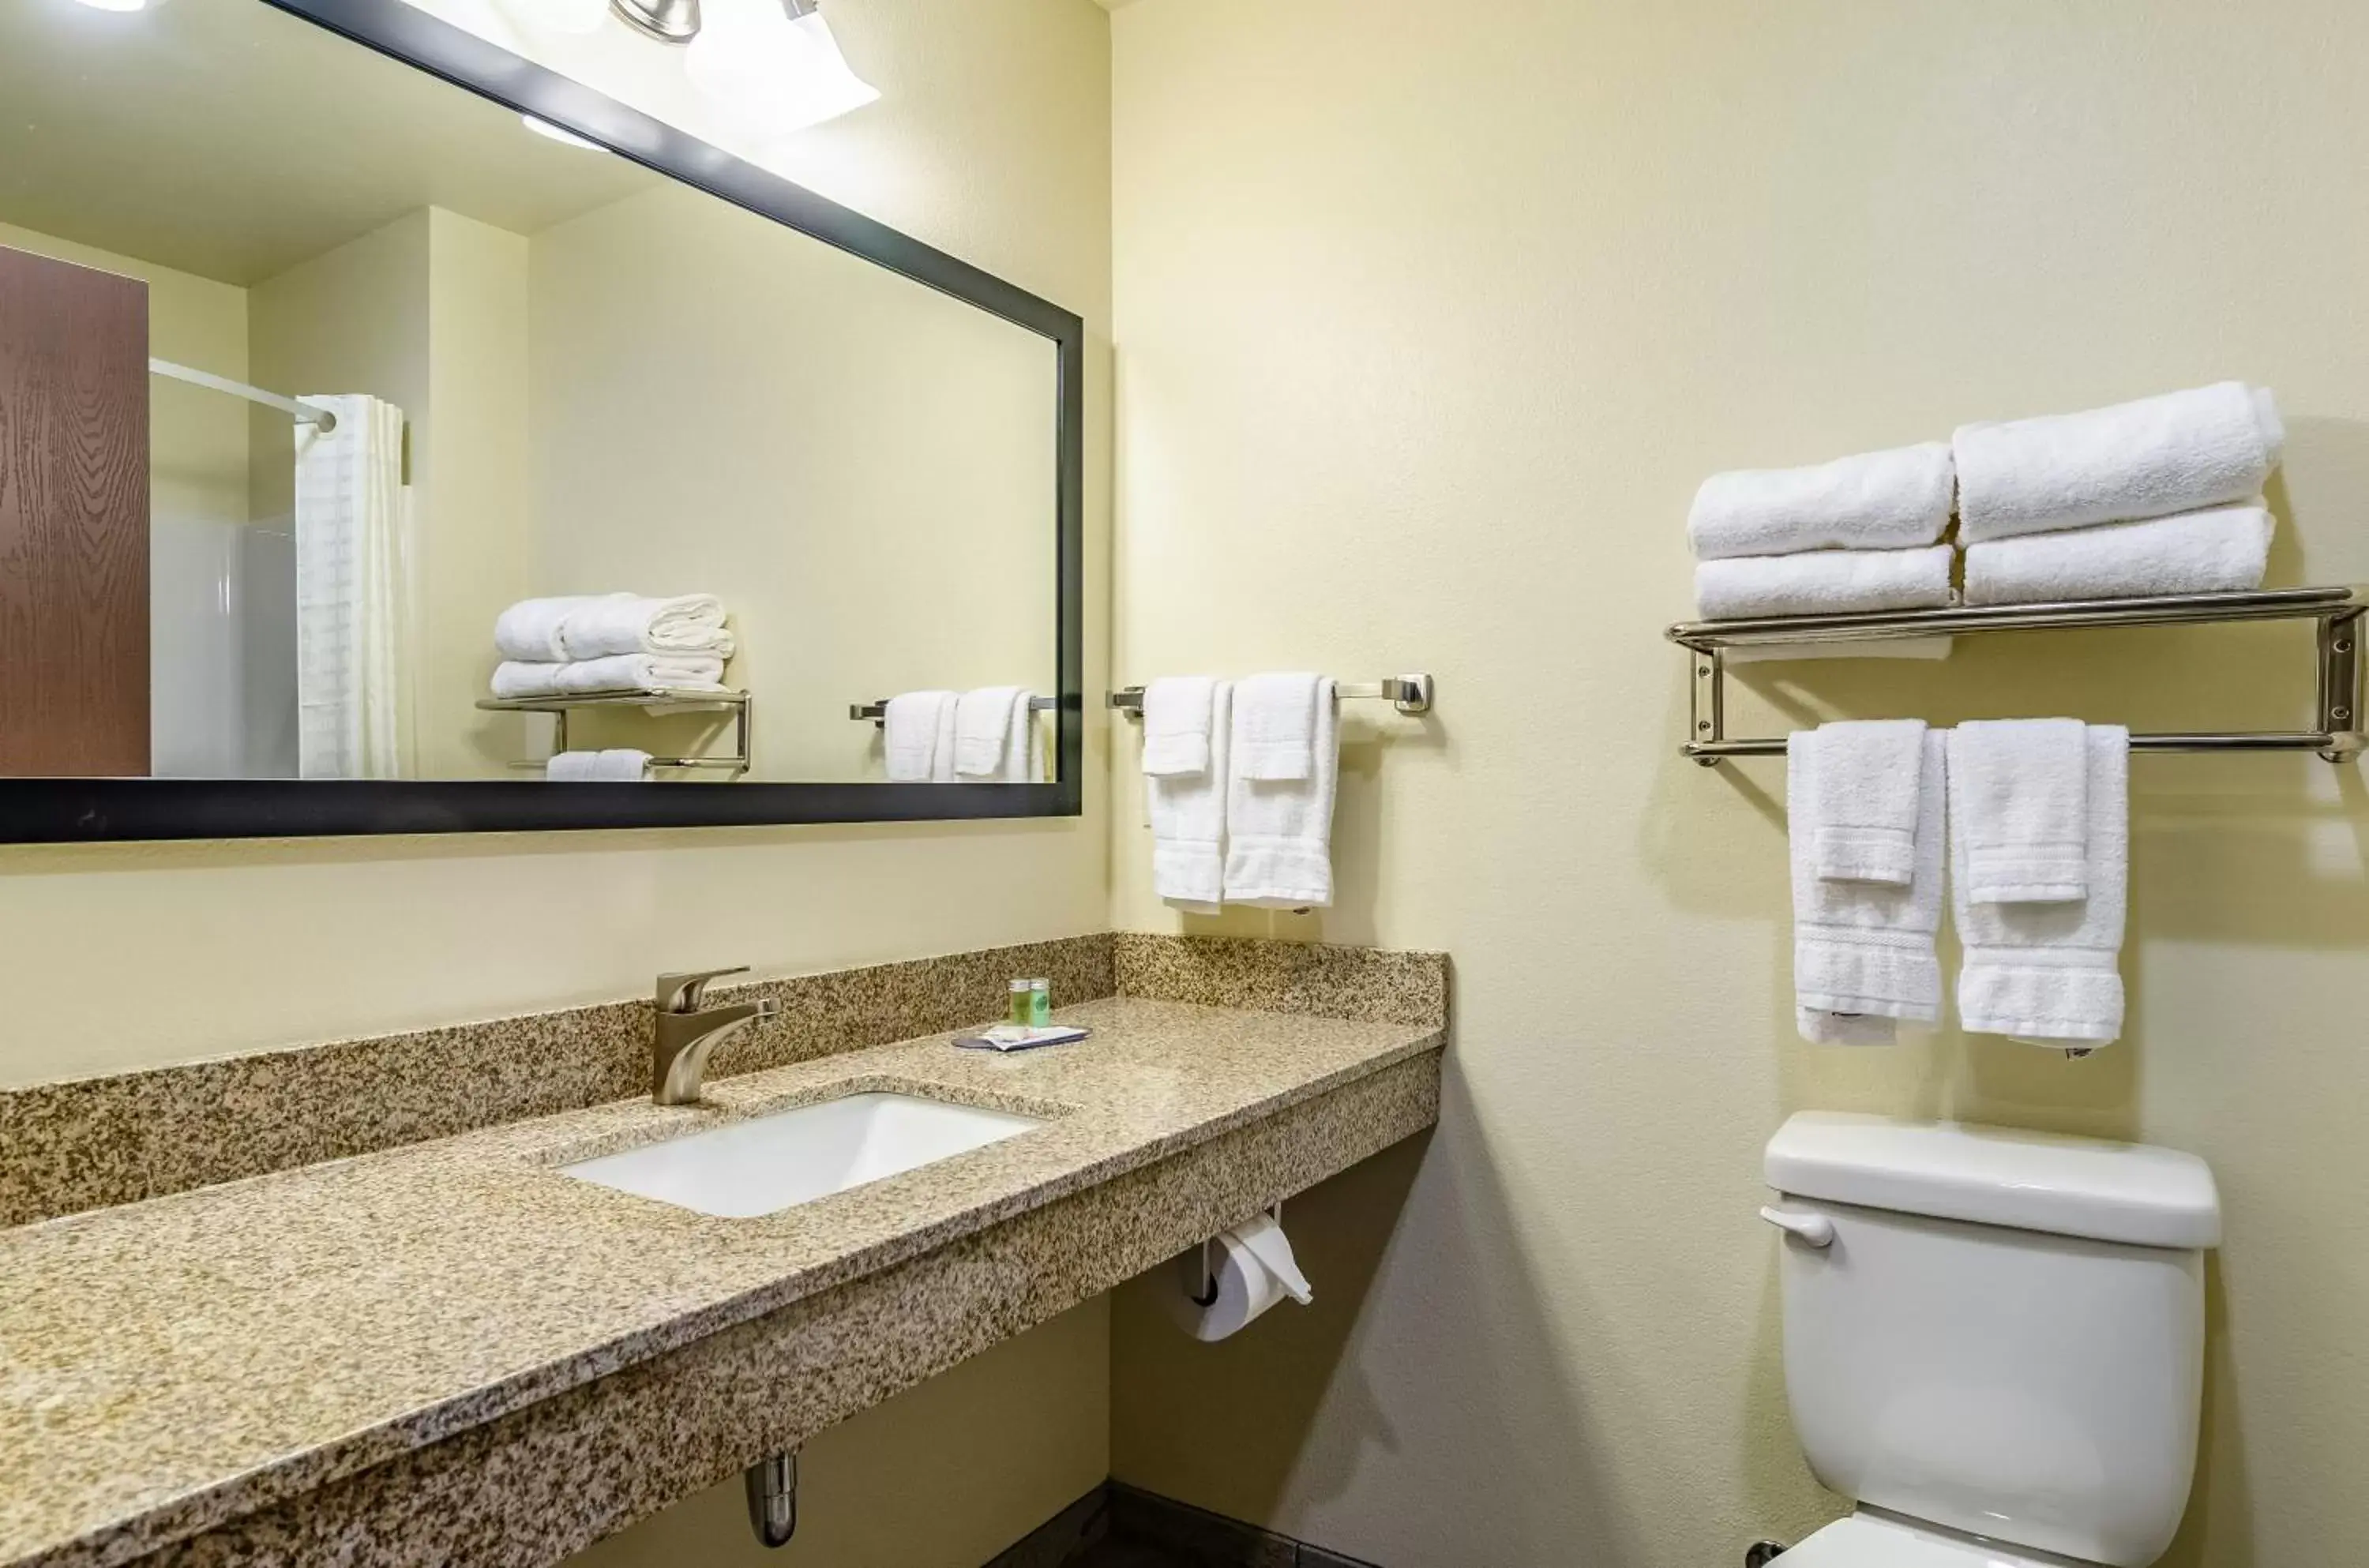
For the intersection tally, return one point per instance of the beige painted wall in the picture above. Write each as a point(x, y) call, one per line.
point(862, 466)
point(1428, 325)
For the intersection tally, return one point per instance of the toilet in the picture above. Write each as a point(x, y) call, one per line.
point(1994, 1339)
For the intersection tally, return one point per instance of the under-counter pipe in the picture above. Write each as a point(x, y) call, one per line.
point(772, 1485)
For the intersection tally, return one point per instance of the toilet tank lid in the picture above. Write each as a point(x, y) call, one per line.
point(1992, 1175)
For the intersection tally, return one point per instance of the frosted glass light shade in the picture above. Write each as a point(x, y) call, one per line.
point(770, 74)
point(560, 16)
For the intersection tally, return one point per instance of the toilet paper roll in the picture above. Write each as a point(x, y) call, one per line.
point(1254, 1269)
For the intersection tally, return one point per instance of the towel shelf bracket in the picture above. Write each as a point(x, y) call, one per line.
point(2342, 615)
point(1408, 693)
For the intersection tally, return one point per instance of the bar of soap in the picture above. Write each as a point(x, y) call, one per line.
point(1015, 1038)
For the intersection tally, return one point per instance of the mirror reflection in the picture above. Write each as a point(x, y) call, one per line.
point(355, 429)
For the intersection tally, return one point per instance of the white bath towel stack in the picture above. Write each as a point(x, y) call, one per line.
point(2157, 496)
point(611, 642)
point(1858, 534)
point(1241, 778)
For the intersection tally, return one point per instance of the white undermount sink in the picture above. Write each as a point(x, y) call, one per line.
point(773, 1162)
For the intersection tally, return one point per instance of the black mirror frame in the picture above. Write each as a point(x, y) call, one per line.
point(76, 810)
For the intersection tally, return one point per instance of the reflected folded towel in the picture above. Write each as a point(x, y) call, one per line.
point(686, 623)
point(2226, 550)
point(1823, 582)
point(1878, 500)
point(1863, 952)
point(917, 732)
point(618, 766)
point(2181, 451)
point(515, 678)
point(2050, 973)
point(530, 629)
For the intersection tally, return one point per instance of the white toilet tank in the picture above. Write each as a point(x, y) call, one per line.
point(2004, 1333)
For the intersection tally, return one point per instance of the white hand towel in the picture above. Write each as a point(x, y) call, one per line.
point(1863, 951)
point(2048, 972)
point(1824, 581)
point(529, 630)
point(942, 755)
point(686, 623)
point(909, 732)
point(1275, 727)
point(2159, 455)
point(1865, 791)
point(1177, 716)
point(982, 731)
point(2226, 550)
point(2020, 809)
point(1879, 500)
point(1279, 831)
point(570, 767)
point(1188, 819)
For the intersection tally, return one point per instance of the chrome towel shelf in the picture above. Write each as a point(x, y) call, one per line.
point(1408, 693)
point(653, 698)
point(2338, 611)
point(879, 712)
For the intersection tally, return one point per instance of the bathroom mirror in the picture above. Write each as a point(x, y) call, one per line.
point(329, 333)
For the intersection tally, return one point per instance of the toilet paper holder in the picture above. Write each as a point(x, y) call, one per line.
point(1208, 1295)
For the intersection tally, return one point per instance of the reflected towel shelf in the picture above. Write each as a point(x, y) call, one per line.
point(2339, 613)
point(653, 700)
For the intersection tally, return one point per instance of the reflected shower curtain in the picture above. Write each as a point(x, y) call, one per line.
point(351, 526)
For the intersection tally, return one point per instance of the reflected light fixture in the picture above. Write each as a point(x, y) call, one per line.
point(772, 64)
point(559, 133)
point(123, 4)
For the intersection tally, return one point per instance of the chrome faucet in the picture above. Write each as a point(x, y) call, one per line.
point(687, 1030)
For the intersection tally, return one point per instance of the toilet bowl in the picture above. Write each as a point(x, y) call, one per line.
point(1994, 1340)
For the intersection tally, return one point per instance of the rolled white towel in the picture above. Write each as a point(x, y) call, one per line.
point(529, 630)
point(1879, 501)
point(1823, 582)
point(2226, 550)
point(687, 623)
point(516, 678)
point(2178, 453)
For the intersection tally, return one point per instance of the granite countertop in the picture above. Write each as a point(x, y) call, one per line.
point(169, 1365)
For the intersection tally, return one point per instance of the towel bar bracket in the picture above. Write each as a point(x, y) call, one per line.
point(2340, 614)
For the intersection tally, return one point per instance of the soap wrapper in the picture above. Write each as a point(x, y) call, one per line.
point(1018, 1038)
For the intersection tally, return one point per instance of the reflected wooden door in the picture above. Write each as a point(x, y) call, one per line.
point(73, 520)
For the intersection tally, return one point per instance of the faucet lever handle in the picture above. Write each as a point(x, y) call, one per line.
point(688, 992)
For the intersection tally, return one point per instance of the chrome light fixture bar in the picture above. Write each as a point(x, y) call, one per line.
point(669, 21)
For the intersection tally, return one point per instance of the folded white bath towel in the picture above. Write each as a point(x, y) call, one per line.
point(2226, 550)
point(2178, 453)
point(916, 727)
point(1822, 581)
point(618, 766)
point(620, 672)
point(982, 731)
point(2048, 972)
point(1863, 951)
point(1177, 717)
point(1275, 726)
point(1279, 829)
point(1878, 500)
point(683, 622)
point(2019, 806)
point(1865, 791)
point(529, 630)
point(1188, 817)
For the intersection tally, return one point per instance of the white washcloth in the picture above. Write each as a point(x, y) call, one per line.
point(2048, 972)
point(1863, 951)
point(618, 766)
point(619, 672)
point(1279, 831)
point(1824, 581)
point(686, 623)
point(1188, 818)
point(2226, 550)
point(1865, 793)
point(530, 629)
point(910, 731)
point(2159, 455)
point(2020, 809)
point(1178, 714)
point(982, 731)
point(1275, 727)
point(1879, 500)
